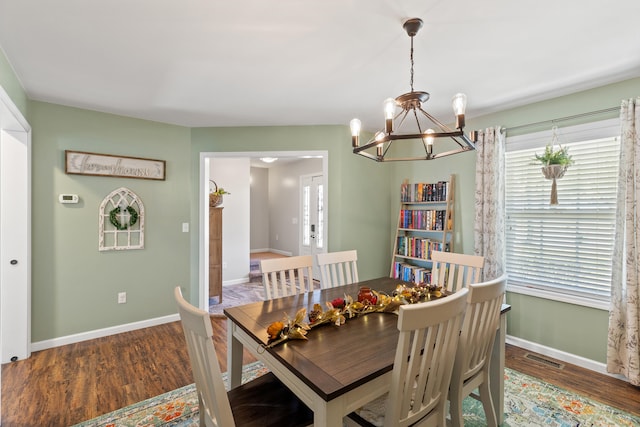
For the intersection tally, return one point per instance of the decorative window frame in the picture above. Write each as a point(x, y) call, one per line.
point(130, 236)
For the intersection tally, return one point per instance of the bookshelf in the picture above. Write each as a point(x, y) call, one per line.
point(425, 223)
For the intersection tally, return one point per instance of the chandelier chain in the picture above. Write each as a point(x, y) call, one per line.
point(411, 57)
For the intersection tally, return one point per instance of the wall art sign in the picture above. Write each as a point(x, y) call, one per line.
point(82, 163)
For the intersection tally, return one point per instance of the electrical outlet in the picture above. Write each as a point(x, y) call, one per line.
point(122, 297)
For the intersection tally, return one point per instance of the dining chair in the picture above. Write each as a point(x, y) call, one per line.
point(454, 271)
point(422, 366)
point(264, 401)
point(338, 268)
point(472, 361)
point(282, 277)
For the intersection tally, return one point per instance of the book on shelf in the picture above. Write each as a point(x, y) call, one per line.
point(423, 192)
point(422, 219)
point(411, 273)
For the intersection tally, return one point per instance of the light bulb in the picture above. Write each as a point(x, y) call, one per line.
point(459, 103)
point(355, 125)
point(389, 110)
point(428, 140)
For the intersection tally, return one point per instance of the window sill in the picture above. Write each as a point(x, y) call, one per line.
point(557, 296)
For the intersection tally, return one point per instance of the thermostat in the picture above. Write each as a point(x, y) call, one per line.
point(68, 198)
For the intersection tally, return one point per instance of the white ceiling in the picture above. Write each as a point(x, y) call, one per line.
point(303, 62)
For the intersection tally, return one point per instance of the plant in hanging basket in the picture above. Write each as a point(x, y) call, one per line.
point(550, 156)
point(554, 165)
point(215, 195)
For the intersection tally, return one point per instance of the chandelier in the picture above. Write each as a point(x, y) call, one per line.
point(410, 106)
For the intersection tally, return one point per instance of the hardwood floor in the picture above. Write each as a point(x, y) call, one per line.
point(66, 385)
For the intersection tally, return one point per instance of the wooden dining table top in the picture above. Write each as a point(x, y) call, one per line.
point(334, 359)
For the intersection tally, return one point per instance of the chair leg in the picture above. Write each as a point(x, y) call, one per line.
point(487, 404)
point(203, 418)
point(455, 406)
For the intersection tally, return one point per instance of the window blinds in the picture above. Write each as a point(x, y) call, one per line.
point(565, 248)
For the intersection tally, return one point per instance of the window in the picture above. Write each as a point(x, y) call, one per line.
point(563, 251)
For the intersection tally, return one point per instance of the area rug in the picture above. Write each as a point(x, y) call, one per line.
point(529, 402)
point(177, 408)
point(233, 295)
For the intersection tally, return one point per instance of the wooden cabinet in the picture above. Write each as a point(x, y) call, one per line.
point(425, 223)
point(215, 253)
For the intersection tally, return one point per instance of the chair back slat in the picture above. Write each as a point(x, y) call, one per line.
point(338, 268)
point(287, 276)
point(455, 271)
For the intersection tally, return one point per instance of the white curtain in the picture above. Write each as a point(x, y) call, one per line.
point(489, 233)
point(623, 347)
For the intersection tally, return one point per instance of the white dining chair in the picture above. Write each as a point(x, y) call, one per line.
point(338, 268)
point(422, 366)
point(472, 361)
point(282, 277)
point(454, 271)
point(261, 402)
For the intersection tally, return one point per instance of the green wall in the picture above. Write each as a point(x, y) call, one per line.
point(570, 328)
point(74, 286)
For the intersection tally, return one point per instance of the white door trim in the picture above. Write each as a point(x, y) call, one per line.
point(15, 232)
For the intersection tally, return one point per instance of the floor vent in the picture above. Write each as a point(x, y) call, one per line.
point(541, 359)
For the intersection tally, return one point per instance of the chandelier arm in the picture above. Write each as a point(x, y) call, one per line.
point(402, 113)
point(436, 121)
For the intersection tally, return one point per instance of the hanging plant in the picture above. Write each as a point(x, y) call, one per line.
point(554, 163)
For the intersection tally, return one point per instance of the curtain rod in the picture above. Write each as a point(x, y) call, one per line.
point(562, 119)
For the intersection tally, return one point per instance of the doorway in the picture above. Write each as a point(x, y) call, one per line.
point(206, 158)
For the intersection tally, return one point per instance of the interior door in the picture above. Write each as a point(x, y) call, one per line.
point(313, 224)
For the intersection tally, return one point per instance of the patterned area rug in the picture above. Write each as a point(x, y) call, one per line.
point(233, 295)
point(528, 402)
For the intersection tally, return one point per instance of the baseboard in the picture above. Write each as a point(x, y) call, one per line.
point(236, 281)
point(99, 333)
point(255, 251)
point(278, 251)
point(573, 359)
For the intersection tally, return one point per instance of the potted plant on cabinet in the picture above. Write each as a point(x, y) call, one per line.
point(215, 195)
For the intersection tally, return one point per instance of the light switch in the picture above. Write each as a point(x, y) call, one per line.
point(185, 227)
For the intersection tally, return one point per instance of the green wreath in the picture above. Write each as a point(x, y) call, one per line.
point(113, 218)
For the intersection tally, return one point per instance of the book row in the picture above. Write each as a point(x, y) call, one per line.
point(411, 273)
point(418, 247)
point(419, 219)
point(422, 192)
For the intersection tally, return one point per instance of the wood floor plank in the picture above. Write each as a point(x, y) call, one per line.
point(73, 383)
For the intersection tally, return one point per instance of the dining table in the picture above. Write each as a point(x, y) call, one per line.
point(337, 369)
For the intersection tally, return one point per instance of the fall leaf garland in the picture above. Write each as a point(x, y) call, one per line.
point(339, 310)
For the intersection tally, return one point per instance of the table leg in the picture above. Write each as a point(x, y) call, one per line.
point(234, 356)
point(496, 369)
